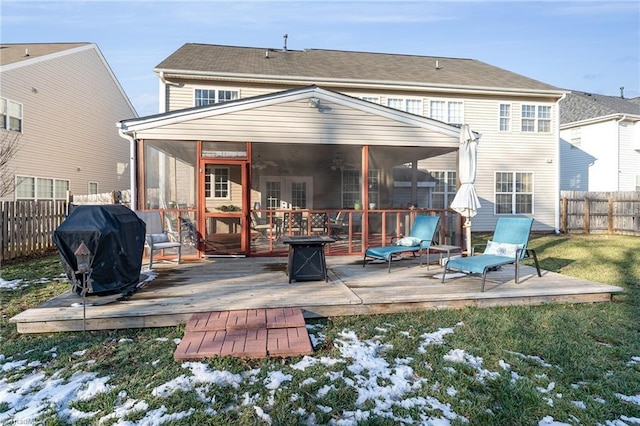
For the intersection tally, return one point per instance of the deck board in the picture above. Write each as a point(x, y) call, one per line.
point(179, 291)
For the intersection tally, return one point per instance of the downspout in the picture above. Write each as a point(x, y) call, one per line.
point(624, 117)
point(132, 168)
point(557, 160)
point(162, 98)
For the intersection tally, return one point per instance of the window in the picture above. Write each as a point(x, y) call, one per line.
point(35, 188)
point(505, 117)
point(216, 183)
point(413, 106)
point(93, 188)
point(374, 186)
point(372, 99)
point(350, 188)
point(514, 193)
point(213, 96)
point(445, 188)
point(10, 115)
point(576, 137)
point(536, 118)
point(446, 111)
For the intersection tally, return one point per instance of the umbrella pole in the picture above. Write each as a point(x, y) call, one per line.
point(467, 228)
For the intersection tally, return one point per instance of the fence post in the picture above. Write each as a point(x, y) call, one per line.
point(610, 216)
point(564, 205)
point(587, 216)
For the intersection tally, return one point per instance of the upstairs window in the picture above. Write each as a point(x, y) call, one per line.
point(505, 117)
point(10, 115)
point(536, 118)
point(214, 96)
point(446, 111)
point(413, 106)
point(372, 99)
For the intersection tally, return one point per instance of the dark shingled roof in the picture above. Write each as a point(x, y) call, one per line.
point(578, 106)
point(343, 65)
point(11, 53)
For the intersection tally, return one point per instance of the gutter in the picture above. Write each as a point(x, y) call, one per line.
point(618, 121)
point(132, 167)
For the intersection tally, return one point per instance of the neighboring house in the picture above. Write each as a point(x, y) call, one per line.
point(272, 130)
point(599, 143)
point(62, 101)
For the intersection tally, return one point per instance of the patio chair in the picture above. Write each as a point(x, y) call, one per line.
point(419, 240)
point(339, 225)
point(292, 223)
point(264, 229)
point(509, 245)
point(318, 223)
point(157, 238)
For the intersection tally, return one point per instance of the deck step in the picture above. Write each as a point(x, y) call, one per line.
point(246, 333)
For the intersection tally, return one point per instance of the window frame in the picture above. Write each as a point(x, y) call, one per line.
point(35, 186)
point(89, 187)
point(406, 102)
point(514, 193)
point(445, 113)
point(449, 180)
point(539, 123)
point(8, 116)
point(198, 100)
point(506, 118)
point(210, 184)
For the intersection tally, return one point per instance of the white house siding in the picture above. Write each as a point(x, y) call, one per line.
point(593, 166)
point(69, 121)
point(629, 135)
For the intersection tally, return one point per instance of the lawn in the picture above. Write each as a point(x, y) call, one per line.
point(539, 365)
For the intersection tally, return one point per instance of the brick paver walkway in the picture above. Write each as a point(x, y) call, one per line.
point(247, 333)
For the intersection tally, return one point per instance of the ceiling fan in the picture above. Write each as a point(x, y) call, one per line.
point(260, 164)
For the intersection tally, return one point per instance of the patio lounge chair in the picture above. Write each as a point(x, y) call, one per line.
point(419, 240)
point(509, 245)
point(157, 238)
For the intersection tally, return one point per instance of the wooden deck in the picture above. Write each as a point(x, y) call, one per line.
point(222, 284)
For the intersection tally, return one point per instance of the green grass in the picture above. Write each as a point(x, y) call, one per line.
point(586, 348)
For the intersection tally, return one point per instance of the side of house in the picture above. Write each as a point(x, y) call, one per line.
point(599, 143)
point(518, 117)
point(62, 102)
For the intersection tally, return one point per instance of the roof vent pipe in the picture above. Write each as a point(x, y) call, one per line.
point(285, 36)
point(26, 52)
point(622, 92)
point(266, 54)
point(437, 64)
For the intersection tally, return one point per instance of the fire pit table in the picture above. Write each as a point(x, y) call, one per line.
point(306, 257)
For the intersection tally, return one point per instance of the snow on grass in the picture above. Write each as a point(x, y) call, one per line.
point(382, 388)
point(11, 285)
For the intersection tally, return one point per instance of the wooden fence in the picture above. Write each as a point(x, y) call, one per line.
point(600, 212)
point(26, 227)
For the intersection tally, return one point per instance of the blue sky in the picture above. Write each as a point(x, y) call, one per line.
point(591, 46)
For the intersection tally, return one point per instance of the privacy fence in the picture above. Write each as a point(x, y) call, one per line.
point(600, 212)
point(26, 226)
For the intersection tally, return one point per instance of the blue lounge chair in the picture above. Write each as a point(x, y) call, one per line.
point(419, 240)
point(509, 245)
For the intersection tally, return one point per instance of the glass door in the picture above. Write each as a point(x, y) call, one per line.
point(223, 214)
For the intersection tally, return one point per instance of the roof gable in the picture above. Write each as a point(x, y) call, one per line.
point(315, 65)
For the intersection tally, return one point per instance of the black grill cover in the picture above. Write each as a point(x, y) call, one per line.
point(115, 236)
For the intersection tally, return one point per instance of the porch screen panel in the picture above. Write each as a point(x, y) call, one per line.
point(169, 174)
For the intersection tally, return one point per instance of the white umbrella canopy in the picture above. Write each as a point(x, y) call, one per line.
point(466, 201)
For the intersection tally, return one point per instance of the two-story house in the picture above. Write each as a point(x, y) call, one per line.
point(248, 135)
point(60, 103)
point(599, 143)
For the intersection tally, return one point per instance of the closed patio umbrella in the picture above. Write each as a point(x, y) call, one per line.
point(466, 201)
